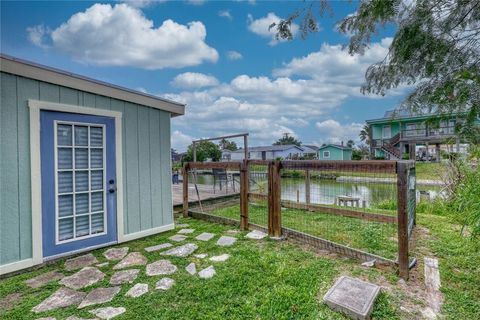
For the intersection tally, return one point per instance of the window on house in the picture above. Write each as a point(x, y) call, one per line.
point(326, 154)
point(387, 132)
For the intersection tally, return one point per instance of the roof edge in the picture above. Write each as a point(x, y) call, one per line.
point(24, 68)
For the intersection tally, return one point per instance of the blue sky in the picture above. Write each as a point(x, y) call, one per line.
point(216, 56)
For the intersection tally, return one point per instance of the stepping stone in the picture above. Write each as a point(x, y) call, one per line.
point(108, 312)
point(205, 236)
point(352, 297)
point(160, 267)
point(101, 265)
point(256, 235)
point(80, 262)
point(63, 297)
point(191, 268)
point(47, 318)
point(181, 251)
point(77, 318)
point(233, 231)
point(43, 279)
point(178, 237)
point(201, 255)
point(207, 273)
point(158, 247)
point(137, 290)
point(99, 295)
point(220, 258)
point(83, 278)
point(116, 253)
point(186, 231)
point(132, 259)
point(10, 301)
point(124, 276)
point(164, 284)
point(181, 225)
point(226, 241)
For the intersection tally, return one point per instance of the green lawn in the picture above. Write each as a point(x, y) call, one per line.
point(272, 280)
point(373, 237)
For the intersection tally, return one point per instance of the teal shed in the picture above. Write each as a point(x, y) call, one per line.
point(83, 164)
point(334, 152)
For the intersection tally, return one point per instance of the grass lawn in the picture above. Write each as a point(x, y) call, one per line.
point(271, 280)
point(429, 170)
point(373, 237)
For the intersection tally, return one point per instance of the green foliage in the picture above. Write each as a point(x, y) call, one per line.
point(366, 134)
point(287, 139)
point(225, 144)
point(435, 48)
point(205, 150)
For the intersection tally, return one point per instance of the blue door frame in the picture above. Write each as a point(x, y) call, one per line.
point(47, 147)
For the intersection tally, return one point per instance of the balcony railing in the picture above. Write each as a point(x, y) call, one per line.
point(430, 132)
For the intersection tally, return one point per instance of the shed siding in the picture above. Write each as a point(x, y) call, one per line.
point(146, 161)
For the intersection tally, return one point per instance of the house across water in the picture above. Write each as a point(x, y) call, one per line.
point(399, 134)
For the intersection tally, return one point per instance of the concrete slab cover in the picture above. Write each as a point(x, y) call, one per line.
point(160, 267)
point(178, 238)
point(124, 276)
point(226, 241)
point(61, 298)
point(83, 278)
point(108, 312)
point(181, 251)
point(115, 253)
point(205, 236)
point(352, 297)
point(137, 290)
point(99, 295)
point(80, 262)
point(132, 259)
point(158, 247)
point(43, 279)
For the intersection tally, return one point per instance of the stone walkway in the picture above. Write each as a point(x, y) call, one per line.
point(86, 273)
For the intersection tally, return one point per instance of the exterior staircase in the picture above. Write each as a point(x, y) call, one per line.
point(389, 147)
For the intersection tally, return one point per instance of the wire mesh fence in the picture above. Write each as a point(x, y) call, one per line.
point(364, 209)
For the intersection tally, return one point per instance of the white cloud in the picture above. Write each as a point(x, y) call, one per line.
point(180, 141)
point(38, 34)
point(332, 131)
point(234, 55)
point(225, 14)
point(122, 36)
point(261, 27)
point(194, 80)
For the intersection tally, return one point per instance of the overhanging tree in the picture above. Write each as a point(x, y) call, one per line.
point(287, 139)
point(436, 49)
point(204, 150)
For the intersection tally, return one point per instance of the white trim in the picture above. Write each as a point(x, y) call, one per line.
point(18, 265)
point(66, 79)
point(36, 180)
point(324, 156)
point(149, 232)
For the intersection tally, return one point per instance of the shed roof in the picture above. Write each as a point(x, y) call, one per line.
point(335, 146)
point(40, 72)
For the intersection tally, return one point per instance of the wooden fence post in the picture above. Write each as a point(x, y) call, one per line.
point(274, 200)
point(307, 186)
point(244, 195)
point(402, 219)
point(185, 189)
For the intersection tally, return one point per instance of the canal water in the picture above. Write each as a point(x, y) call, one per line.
point(324, 191)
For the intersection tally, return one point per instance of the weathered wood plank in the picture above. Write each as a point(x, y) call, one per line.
point(375, 166)
point(244, 196)
point(402, 219)
point(214, 165)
